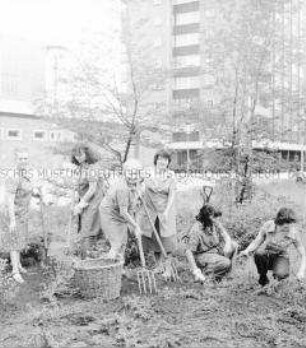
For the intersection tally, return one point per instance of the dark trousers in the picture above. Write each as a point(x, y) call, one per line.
point(266, 261)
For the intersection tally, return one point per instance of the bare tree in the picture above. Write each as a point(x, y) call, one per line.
point(107, 104)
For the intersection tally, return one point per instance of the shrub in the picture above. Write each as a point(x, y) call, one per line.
point(243, 221)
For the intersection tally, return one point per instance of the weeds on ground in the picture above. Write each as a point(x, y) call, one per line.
point(8, 287)
point(140, 308)
point(59, 277)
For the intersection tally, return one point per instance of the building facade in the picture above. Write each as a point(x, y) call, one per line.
point(24, 72)
point(177, 36)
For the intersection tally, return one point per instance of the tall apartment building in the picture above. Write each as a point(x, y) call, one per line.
point(171, 36)
point(175, 35)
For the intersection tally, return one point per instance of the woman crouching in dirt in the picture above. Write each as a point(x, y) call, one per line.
point(210, 249)
point(271, 245)
point(91, 188)
point(117, 209)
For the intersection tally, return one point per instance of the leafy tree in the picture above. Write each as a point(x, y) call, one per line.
point(244, 52)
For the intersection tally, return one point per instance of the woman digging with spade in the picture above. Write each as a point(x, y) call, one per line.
point(158, 213)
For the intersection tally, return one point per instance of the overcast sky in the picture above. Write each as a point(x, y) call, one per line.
point(56, 21)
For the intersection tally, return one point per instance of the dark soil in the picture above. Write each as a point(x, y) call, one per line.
point(233, 313)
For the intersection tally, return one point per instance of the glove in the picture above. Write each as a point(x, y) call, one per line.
point(137, 232)
point(82, 204)
point(198, 276)
point(79, 207)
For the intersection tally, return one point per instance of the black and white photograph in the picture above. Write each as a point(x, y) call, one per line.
point(152, 173)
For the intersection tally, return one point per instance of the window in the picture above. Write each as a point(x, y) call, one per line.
point(55, 136)
point(208, 33)
point(39, 135)
point(185, 29)
point(157, 87)
point(186, 50)
point(186, 61)
point(210, 103)
point(187, 18)
point(185, 103)
point(187, 82)
point(208, 60)
point(208, 79)
point(187, 39)
point(14, 134)
point(178, 2)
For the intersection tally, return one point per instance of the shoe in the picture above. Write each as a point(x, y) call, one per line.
point(167, 275)
point(18, 278)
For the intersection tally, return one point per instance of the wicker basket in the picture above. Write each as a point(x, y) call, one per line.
point(98, 278)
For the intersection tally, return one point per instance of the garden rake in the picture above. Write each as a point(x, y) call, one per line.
point(174, 274)
point(145, 277)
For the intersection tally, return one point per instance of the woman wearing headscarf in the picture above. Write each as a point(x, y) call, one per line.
point(210, 248)
point(118, 208)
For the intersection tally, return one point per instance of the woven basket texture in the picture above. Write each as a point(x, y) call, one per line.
point(98, 278)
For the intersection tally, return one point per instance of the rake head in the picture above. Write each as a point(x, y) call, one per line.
point(146, 281)
point(170, 271)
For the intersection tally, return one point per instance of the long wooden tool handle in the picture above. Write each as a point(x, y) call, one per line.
point(45, 236)
point(141, 253)
point(154, 229)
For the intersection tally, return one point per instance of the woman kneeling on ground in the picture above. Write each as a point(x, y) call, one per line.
point(117, 209)
point(271, 245)
point(210, 248)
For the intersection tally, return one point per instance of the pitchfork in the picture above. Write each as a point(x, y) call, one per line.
point(174, 273)
point(206, 193)
point(145, 277)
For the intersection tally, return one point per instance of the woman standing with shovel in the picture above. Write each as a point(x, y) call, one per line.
point(158, 213)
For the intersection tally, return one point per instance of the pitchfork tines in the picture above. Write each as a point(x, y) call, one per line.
point(146, 281)
point(145, 277)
